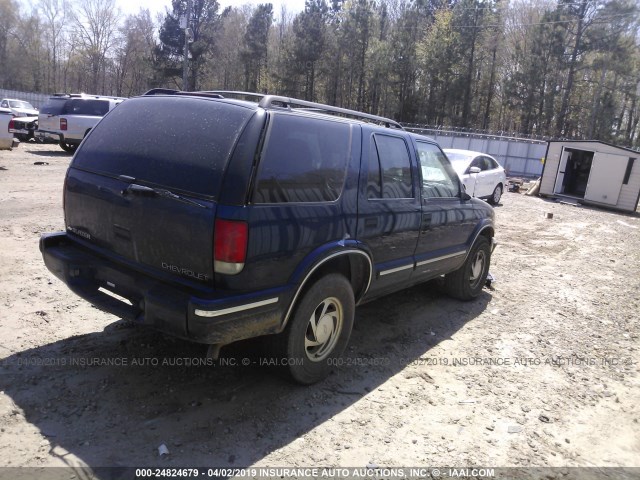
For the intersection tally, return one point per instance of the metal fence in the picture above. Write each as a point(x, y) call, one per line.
point(519, 156)
point(35, 99)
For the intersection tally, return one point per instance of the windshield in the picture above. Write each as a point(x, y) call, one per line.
point(459, 161)
point(20, 104)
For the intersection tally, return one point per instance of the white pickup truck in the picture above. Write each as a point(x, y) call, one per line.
point(67, 118)
point(19, 108)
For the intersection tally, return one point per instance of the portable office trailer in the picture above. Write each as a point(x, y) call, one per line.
point(592, 172)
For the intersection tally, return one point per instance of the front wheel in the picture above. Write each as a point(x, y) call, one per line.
point(497, 195)
point(318, 331)
point(466, 283)
point(68, 147)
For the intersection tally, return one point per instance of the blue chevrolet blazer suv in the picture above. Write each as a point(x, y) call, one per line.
point(221, 216)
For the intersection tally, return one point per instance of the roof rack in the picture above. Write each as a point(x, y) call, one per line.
point(161, 91)
point(271, 101)
point(86, 95)
point(235, 93)
point(276, 101)
point(170, 91)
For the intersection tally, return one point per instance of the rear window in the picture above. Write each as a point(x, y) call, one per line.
point(305, 160)
point(177, 143)
point(54, 106)
point(79, 106)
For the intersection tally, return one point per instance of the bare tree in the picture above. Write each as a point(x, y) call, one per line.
point(133, 61)
point(8, 9)
point(54, 18)
point(96, 26)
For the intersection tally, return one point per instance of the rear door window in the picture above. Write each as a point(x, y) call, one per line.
point(491, 163)
point(304, 160)
point(393, 169)
point(182, 144)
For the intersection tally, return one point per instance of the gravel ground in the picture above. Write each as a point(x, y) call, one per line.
point(542, 370)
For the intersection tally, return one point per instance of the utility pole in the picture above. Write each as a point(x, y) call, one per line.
point(185, 64)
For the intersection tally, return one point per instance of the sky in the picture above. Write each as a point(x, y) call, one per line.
point(156, 6)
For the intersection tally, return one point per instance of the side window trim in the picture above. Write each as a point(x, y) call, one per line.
point(373, 152)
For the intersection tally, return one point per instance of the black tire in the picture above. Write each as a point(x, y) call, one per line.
point(496, 195)
point(467, 282)
point(68, 147)
point(330, 303)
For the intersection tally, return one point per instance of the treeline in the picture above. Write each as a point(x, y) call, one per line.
point(569, 68)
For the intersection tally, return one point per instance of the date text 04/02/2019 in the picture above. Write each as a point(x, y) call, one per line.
point(313, 472)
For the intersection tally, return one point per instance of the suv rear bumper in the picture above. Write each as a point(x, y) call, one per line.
point(160, 305)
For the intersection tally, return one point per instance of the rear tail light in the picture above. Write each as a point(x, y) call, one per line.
point(12, 125)
point(230, 239)
point(63, 124)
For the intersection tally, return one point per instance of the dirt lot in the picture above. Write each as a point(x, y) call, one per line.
point(540, 371)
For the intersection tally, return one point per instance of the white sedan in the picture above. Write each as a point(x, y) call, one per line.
point(482, 175)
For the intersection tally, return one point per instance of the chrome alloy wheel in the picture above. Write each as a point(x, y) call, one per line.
point(323, 330)
point(497, 195)
point(477, 268)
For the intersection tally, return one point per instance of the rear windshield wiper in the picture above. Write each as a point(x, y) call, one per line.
point(136, 189)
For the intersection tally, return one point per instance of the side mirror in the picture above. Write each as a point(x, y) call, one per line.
point(474, 170)
point(464, 196)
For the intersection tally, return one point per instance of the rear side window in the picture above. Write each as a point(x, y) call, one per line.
point(54, 107)
point(177, 143)
point(81, 106)
point(304, 160)
point(492, 163)
point(389, 168)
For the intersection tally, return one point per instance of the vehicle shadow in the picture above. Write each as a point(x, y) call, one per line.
point(50, 153)
point(111, 398)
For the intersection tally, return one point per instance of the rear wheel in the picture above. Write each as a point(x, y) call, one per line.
point(318, 331)
point(466, 283)
point(68, 147)
point(497, 195)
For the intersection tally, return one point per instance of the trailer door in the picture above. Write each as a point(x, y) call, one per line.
point(559, 187)
point(605, 179)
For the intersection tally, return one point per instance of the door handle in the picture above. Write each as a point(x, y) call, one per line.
point(426, 222)
point(138, 190)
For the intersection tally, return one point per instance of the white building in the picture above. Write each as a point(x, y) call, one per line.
point(592, 172)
